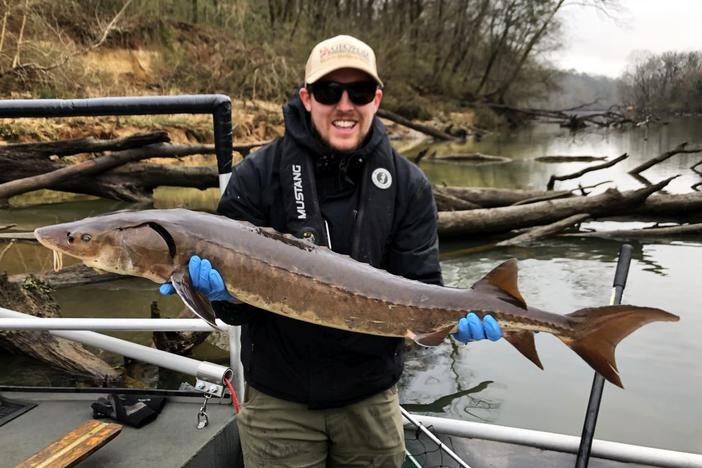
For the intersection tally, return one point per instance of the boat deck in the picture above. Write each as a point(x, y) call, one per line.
point(171, 440)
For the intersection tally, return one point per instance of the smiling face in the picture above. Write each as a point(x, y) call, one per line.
point(344, 125)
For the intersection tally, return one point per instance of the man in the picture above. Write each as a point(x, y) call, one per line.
point(318, 396)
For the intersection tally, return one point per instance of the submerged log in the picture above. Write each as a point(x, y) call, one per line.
point(564, 159)
point(34, 297)
point(552, 180)
point(503, 219)
point(471, 157)
point(680, 149)
point(647, 232)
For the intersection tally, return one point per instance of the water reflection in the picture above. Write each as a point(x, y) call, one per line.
point(439, 405)
point(525, 172)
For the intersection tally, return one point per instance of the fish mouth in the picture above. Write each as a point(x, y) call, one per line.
point(58, 260)
point(48, 237)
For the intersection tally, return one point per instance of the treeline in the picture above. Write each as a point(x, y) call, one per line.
point(586, 92)
point(663, 83)
point(463, 50)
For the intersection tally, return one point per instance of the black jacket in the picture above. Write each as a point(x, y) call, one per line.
point(298, 185)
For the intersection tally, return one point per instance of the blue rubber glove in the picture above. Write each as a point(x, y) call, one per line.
point(206, 280)
point(471, 328)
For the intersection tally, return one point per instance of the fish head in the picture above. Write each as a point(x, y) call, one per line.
point(117, 243)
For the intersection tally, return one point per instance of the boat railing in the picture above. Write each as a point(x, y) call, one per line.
point(209, 381)
point(209, 376)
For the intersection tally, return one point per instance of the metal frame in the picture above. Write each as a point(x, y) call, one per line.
point(218, 105)
point(208, 374)
point(561, 443)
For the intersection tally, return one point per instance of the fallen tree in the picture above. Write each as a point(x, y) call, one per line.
point(116, 176)
point(33, 297)
point(133, 182)
point(504, 219)
point(487, 197)
point(552, 180)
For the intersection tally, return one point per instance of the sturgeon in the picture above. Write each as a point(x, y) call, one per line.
point(295, 278)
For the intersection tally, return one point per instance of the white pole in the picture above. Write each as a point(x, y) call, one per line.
point(212, 373)
point(102, 324)
point(561, 442)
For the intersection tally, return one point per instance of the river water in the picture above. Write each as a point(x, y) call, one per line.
point(660, 365)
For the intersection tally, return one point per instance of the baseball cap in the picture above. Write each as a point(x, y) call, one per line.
point(340, 52)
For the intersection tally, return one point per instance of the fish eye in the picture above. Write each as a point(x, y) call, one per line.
point(86, 237)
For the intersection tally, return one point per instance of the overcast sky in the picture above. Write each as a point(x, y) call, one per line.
point(596, 44)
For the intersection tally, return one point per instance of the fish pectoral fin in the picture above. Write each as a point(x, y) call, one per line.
point(434, 338)
point(524, 342)
point(195, 301)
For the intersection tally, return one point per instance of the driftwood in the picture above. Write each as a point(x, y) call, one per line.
point(470, 157)
point(5, 227)
point(34, 297)
point(552, 180)
point(81, 145)
point(671, 205)
point(543, 231)
point(445, 201)
point(74, 275)
point(555, 195)
point(487, 197)
point(39, 166)
point(563, 159)
point(668, 231)
point(503, 219)
point(432, 132)
point(681, 148)
point(93, 145)
point(130, 182)
point(83, 169)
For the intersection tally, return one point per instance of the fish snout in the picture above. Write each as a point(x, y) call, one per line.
point(55, 236)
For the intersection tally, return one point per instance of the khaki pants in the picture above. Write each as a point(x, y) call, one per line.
point(279, 433)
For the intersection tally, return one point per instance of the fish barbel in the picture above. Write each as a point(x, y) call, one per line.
point(297, 279)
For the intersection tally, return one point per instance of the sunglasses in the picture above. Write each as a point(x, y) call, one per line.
point(330, 92)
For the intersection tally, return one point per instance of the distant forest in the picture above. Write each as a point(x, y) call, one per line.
point(670, 82)
point(574, 89)
point(453, 50)
point(432, 54)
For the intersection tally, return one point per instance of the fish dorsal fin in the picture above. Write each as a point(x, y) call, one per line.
point(503, 278)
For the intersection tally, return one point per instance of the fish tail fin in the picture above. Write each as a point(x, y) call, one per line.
point(598, 330)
